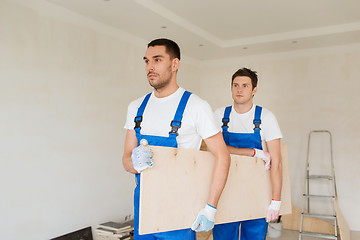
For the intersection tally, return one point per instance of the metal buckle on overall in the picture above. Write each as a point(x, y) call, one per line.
point(138, 120)
point(225, 122)
point(175, 125)
point(257, 123)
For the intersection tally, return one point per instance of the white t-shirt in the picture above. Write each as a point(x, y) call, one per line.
point(197, 123)
point(243, 123)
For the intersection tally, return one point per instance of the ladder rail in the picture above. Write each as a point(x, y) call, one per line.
point(307, 169)
point(306, 203)
point(331, 154)
point(332, 164)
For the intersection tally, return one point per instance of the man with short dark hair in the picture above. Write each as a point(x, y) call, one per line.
point(172, 117)
point(244, 126)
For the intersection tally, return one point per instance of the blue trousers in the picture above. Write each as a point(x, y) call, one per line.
point(254, 229)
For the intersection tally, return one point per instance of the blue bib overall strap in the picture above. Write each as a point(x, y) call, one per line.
point(225, 126)
point(255, 229)
point(169, 141)
point(139, 116)
point(176, 123)
point(257, 122)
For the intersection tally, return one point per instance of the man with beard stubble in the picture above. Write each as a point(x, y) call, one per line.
point(170, 116)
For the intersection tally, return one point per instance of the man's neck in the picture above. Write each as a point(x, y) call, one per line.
point(243, 108)
point(166, 91)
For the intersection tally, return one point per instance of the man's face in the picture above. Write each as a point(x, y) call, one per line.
point(242, 91)
point(158, 66)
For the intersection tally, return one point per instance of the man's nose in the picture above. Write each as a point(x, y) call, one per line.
point(150, 67)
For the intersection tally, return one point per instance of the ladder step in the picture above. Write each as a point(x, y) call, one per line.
point(318, 235)
point(318, 196)
point(319, 216)
point(320, 177)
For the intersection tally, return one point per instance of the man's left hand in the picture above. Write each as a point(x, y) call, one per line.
point(273, 211)
point(205, 220)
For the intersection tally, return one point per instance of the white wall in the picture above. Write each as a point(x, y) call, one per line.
point(306, 90)
point(63, 99)
point(66, 81)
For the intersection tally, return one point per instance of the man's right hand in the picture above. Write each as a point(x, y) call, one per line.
point(264, 156)
point(141, 156)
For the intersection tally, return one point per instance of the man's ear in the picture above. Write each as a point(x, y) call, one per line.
point(254, 91)
point(175, 64)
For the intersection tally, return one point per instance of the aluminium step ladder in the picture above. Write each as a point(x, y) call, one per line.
point(330, 196)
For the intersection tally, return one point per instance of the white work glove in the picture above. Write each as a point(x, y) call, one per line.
point(205, 220)
point(264, 156)
point(273, 211)
point(141, 156)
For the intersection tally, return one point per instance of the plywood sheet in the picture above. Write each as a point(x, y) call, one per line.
point(343, 226)
point(177, 187)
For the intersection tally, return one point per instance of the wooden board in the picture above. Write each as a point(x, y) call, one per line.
point(343, 226)
point(177, 187)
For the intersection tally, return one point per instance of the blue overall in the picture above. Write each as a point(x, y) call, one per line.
point(254, 229)
point(169, 141)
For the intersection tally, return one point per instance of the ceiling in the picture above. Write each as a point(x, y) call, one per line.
point(213, 29)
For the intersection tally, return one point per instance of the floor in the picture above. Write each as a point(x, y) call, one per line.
point(294, 235)
point(285, 235)
point(290, 235)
